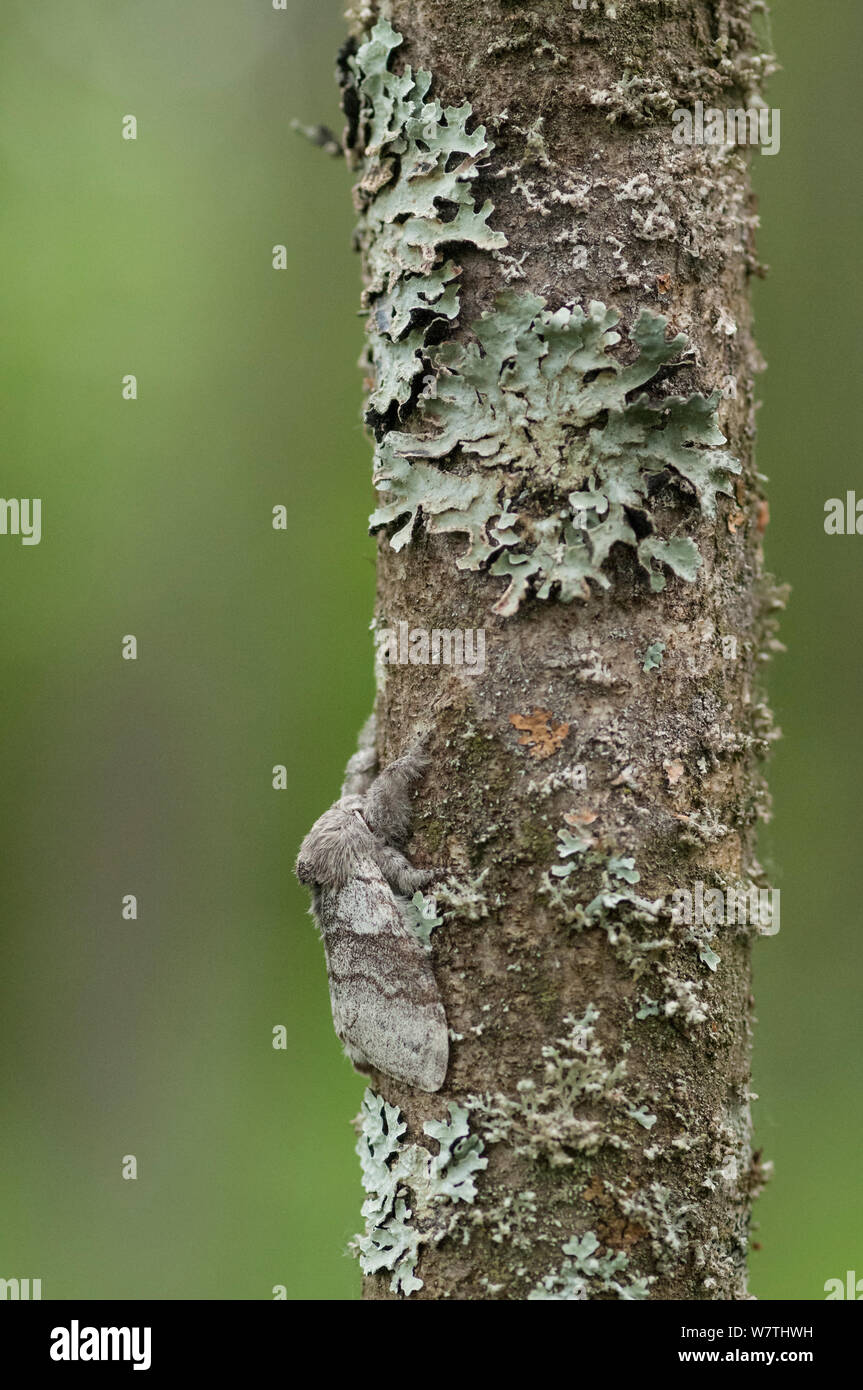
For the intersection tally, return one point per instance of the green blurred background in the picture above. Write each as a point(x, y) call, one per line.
point(153, 777)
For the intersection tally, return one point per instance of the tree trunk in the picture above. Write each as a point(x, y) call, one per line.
point(555, 477)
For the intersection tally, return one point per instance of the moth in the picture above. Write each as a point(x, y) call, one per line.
point(387, 1008)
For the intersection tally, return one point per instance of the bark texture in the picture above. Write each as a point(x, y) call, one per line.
point(600, 1052)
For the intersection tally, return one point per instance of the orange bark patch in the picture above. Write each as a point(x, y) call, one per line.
point(539, 733)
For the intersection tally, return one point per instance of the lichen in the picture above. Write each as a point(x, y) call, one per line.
point(629, 922)
point(413, 1195)
point(584, 1274)
point(580, 1105)
point(653, 656)
point(578, 853)
point(547, 409)
point(422, 917)
point(565, 442)
point(415, 196)
point(512, 1221)
point(466, 897)
point(664, 1217)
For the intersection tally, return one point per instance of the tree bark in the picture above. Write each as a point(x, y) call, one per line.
point(609, 754)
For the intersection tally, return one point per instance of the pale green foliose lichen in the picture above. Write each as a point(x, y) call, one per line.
point(416, 199)
point(545, 407)
point(577, 853)
point(585, 1274)
point(653, 656)
point(413, 1195)
point(539, 403)
point(421, 915)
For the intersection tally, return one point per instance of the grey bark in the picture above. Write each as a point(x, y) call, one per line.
point(596, 204)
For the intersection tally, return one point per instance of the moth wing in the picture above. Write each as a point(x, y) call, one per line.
point(387, 1009)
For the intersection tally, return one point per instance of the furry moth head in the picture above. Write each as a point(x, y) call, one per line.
point(386, 1005)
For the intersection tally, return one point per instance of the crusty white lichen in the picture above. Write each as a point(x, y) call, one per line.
point(413, 1195)
point(466, 896)
point(664, 1217)
point(581, 1104)
point(631, 924)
